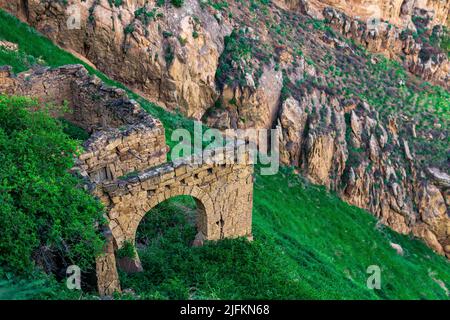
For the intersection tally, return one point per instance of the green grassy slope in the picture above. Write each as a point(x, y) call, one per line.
point(308, 244)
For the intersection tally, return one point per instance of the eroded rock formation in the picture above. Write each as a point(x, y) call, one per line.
point(421, 59)
point(398, 12)
point(331, 134)
point(352, 151)
point(169, 54)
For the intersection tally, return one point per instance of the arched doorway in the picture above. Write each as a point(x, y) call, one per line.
point(181, 219)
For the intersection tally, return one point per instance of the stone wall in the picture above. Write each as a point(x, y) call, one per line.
point(92, 104)
point(124, 137)
point(223, 190)
point(115, 153)
point(107, 277)
point(178, 74)
point(124, 163)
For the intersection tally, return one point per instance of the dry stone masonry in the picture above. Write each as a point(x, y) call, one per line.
point(125, 164)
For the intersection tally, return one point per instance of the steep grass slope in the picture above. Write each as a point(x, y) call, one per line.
point(308, 243)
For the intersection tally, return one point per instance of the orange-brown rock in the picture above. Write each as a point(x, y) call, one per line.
point(428, 62)
point(398, 12)
point(354, 158)
point(169, 55)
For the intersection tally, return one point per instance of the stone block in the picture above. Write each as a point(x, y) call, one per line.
point(180, 171)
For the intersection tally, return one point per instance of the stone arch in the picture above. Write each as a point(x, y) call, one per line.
point(205, 208)
point(204, 221)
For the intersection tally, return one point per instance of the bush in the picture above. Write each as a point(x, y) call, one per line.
point(46, 217)
point(129, 29)
point(127, 251)
point(177, 3)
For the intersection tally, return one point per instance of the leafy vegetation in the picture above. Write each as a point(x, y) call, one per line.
point(115, 3)
point(177, 3)
point(42, 207)
point(438, 37)
point(74, 131)
point(320, 249)
point(36, 46)
point(145, 16)
point(18, 60)
point(344, 69)
point(127, 251)
point(240, 50)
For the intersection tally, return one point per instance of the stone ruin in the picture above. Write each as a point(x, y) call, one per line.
point(125, 164)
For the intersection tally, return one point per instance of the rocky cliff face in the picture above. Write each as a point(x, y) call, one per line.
point(397, 12)
point(419, 57)
point(352, 151)
point(169, 54)
point(352, 121)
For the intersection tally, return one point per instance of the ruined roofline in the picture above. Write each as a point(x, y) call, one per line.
point(123, 136)
point(220, 156)
point(94, 105)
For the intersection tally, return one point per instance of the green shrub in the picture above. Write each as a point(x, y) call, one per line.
point(177, 3)
point(74, 131)
point(45, 214)
point(169, 55)
point(238, 50)
point(116, 3)
point(129, 28)
point(145, 16)
point(127, 251)
point(18, 60)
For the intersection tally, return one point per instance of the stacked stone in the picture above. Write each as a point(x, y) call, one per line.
point(113, 154)
point(223, 190)
point(7, 83)
point(124, 164)
point(125, 138)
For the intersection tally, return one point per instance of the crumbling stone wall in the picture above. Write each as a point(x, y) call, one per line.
point(92, 105)
point(115, 153)
point(107, 278)
point(124, 162)
point(6, 82)
point(223, 191)
point(124, 137)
